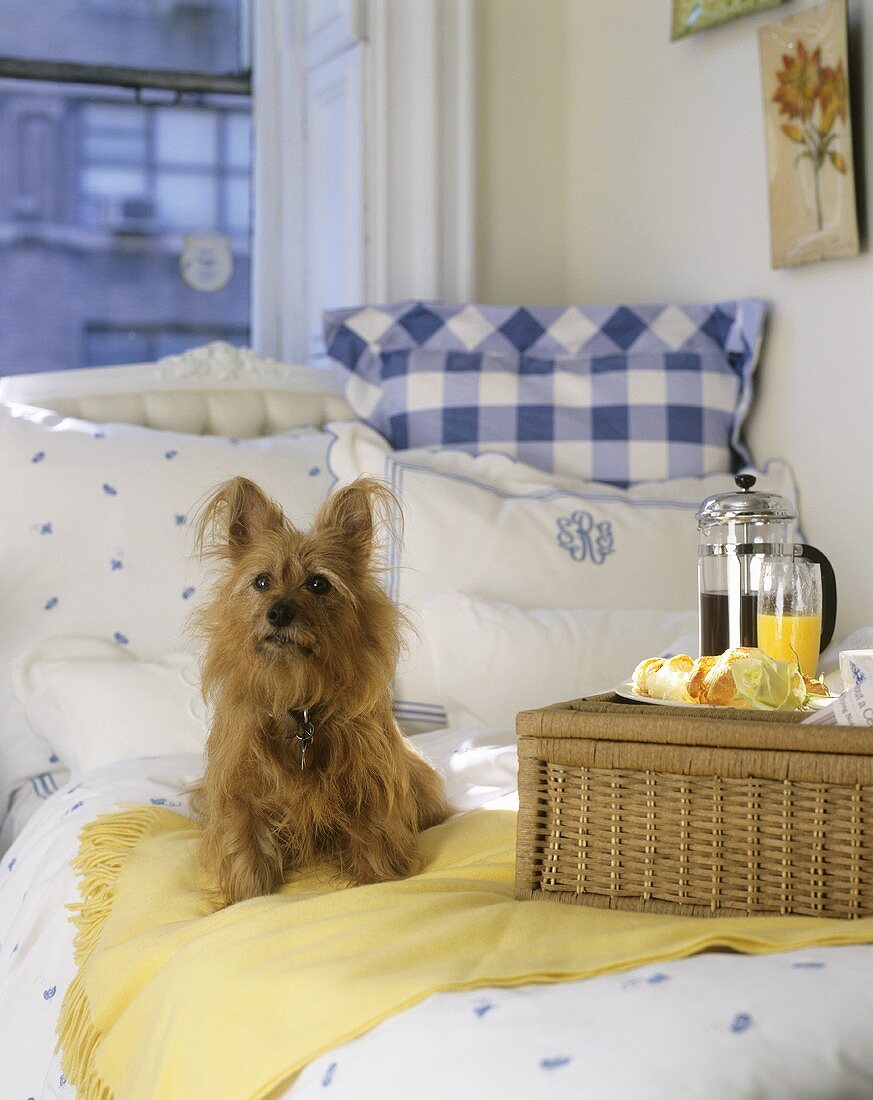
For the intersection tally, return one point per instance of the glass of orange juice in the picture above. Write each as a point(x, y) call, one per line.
point(789, 611)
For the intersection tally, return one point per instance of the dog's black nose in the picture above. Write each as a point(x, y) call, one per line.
point(280, 614)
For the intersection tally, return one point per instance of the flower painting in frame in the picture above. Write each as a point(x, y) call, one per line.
point(696, 15)
point(804, 61)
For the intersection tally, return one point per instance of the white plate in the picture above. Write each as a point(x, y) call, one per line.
point(626, 691)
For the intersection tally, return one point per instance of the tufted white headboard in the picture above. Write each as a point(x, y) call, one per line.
point(217, 389)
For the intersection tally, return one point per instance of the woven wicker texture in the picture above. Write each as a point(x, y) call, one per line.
point(694, 812)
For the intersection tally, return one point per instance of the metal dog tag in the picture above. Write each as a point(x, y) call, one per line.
point(304, 738)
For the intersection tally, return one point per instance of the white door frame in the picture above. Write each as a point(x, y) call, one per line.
point(420, 107)
point(418, 124)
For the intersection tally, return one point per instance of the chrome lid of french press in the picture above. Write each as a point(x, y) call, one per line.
point(744, 506)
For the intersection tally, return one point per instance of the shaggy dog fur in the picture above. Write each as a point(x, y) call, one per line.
point(298, 621)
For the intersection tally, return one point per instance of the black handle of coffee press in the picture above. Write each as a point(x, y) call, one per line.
point(828, 593)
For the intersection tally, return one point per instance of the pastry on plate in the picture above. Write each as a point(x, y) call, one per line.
point(742, 677)
point(664, 678)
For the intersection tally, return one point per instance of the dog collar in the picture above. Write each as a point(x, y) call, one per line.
point(303, 734)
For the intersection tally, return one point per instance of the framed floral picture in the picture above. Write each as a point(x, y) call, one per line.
point(696, 15)
point(804, 61)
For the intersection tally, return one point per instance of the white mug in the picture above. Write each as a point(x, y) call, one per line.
point(856, 665)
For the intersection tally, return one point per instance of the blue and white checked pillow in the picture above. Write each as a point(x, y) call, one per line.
point(616, 394)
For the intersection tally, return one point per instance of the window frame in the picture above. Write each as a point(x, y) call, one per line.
point(123, 76)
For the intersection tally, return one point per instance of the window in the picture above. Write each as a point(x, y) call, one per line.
point(165, 168)
point(110, 174)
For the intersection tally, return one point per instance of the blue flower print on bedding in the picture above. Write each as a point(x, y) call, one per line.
point(180, 519)
point(45, 528)
point(109, 490)
point(115, 564)
point(50, 603)
point(740, 1023)
point(169, 455)
point(554, 1063)
point(49, 993)
point(188, 592)
point(122, 639)
point(584, 539)
point(328, 1075)
point(38, 457)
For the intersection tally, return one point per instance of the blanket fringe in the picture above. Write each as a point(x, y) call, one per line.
point(104, 845)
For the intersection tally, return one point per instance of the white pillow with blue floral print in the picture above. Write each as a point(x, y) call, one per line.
point(492, 527)
point(95, 538)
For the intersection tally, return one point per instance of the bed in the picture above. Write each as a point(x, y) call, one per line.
point(82, 735)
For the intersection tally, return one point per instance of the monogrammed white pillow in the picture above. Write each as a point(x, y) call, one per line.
point(492, 527)
point(95, 537)
point(493, 660)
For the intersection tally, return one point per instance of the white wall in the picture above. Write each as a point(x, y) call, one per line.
point(664, 196)
point(522, 146)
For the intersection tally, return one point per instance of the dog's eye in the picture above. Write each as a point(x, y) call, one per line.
point(318, 584)
point(261, 582)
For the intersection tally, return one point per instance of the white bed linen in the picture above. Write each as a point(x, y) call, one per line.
point(37, 883)
point(779, 1026)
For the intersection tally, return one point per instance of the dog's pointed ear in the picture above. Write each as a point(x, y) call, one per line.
point(359, 512)
point(236, 514)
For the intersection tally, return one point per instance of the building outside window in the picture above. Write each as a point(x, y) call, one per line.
point(125, 208)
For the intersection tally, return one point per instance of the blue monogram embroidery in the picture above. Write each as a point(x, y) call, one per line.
point(585, 540)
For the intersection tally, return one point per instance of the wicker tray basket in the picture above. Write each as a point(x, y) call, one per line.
point(709, 812)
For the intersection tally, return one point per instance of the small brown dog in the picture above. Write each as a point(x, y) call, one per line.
point(304, 758)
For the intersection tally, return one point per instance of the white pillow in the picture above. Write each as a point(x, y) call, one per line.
point(95, 538)
point(493, 660)
point(493, 527)
point(96, 704)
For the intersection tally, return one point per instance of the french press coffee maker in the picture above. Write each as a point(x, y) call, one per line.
point(737, 531)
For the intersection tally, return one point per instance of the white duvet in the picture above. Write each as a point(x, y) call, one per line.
point(718, 1025)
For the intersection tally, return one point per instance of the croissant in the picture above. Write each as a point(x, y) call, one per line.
point(662, 678)
point(712, 679)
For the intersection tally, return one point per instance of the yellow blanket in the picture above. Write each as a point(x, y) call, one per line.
point(173, 1000)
